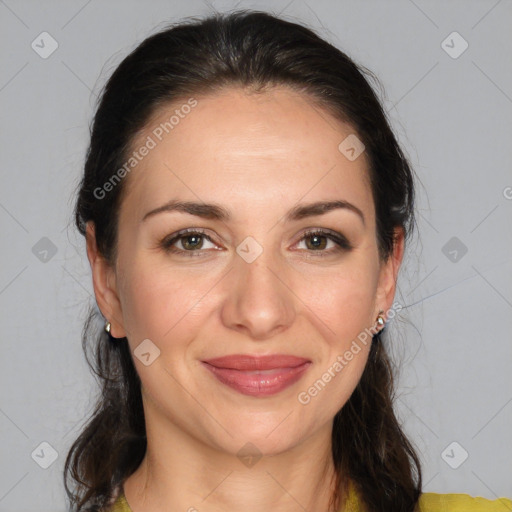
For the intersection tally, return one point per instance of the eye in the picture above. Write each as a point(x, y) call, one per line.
point(191, 240)
point(318, 241)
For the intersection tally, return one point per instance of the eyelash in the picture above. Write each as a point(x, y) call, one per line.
point(341, 242)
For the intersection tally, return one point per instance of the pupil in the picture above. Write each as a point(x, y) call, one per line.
point(316, 241)
point(192, 245)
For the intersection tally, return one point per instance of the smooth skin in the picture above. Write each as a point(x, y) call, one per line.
point(257, 156)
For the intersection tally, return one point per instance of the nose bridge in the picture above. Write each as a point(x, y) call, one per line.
point(259, 276)
point(258, 301)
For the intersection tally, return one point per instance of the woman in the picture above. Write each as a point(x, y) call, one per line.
point(245, 206)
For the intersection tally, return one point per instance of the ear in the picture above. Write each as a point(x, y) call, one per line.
point(389, 273)
point(105, 286)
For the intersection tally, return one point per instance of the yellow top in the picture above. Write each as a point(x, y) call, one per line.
point(429, 502)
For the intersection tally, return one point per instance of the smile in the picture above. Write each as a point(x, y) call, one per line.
point(258, 377)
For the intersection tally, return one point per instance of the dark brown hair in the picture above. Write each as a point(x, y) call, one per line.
point(252, 50)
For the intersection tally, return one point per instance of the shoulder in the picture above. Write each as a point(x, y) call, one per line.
point(120, 505)
point(433, 502)
point(428, 502)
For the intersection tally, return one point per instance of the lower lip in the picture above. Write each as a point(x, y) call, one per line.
point(261, 383)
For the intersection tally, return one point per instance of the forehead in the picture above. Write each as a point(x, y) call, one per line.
point(245, 149)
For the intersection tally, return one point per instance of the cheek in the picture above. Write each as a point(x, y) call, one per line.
point(158, 303)
point(344, 301)
point(344, 312)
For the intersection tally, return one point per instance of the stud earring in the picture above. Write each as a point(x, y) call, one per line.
point(107, 327)
point(380, 319)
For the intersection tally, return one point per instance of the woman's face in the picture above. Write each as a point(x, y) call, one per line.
point(253, 282)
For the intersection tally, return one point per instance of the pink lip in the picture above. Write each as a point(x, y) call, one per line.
point(258, 376)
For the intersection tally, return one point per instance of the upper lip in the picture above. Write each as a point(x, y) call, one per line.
point(247, 362)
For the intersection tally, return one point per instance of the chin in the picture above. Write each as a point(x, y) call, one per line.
point(251, 440)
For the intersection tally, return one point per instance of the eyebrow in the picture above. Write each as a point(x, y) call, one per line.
point(217, 212)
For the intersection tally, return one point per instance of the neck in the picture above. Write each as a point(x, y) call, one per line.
point(181, 472)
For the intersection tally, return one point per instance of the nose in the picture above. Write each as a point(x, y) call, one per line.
point(259, 301)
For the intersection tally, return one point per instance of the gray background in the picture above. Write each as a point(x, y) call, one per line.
point(453, 116)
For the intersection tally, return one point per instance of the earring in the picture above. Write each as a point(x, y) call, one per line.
point(107, 327)
point(380, 319)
